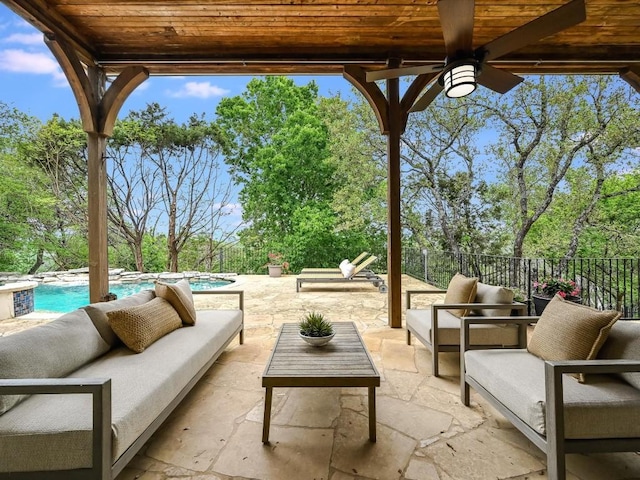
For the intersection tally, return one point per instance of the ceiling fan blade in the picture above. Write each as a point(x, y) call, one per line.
point(388, 73)
point(456, 19)
point(551, 23)
point(429, 96)
point(497, 80)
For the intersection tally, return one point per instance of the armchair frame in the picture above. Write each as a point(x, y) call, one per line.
point(554, 443)
point(433, 344)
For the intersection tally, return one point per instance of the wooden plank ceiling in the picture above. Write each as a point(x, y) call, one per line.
point(320, 36)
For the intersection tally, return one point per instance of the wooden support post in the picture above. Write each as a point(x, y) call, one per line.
point(97, 217)
point(392, 114)
point(99, 108)
point(394, 228)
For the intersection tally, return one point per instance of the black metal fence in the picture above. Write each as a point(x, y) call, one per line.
point(605, 283)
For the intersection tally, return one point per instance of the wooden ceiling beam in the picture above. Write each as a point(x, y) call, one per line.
point(631, 75)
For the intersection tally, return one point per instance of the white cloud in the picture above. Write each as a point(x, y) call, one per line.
point(20, 61)
point(198, 90)
point(229, 208)
point(25, 38)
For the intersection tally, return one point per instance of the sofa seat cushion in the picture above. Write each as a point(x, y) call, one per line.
point(606, 407)
point(449, 329)
point(142, 386)
point(49, 351)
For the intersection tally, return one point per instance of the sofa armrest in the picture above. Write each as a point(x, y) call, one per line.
point(240, 294)
point(410, 293)
point(100, 391)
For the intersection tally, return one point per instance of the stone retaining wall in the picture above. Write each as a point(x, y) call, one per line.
point(116, 275)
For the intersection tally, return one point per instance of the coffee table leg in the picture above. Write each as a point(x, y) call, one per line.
point(372, 414)
point(267, 414)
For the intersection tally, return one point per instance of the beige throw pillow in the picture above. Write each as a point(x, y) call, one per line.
point(493, 294)
point(570, 331)
point(140, 326)
point(461, 289)
point(180, 297)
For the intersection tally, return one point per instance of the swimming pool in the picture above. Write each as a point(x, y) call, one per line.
point(64, 298)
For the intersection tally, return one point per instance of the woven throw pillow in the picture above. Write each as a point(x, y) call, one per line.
point(570, 331)
point(140, 326)
point(493, 294)
point(461, 289)
point(180, 297)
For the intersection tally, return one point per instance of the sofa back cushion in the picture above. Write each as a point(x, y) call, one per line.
point(180, 297)
point(98, 313)
point(623, 343)
point(493, 294)
point(140, 326)
point(52, 350)
point(461, 289)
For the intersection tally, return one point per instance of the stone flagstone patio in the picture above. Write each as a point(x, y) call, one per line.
point(423, 431)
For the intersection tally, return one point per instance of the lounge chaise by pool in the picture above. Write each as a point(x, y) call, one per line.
point(355, 262)
point(354, 275)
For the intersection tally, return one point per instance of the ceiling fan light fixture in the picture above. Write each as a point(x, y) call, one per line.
point(459, 80)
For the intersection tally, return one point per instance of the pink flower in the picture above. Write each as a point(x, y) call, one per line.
point(562, 294)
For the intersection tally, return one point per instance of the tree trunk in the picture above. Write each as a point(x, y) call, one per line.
point(38, 263)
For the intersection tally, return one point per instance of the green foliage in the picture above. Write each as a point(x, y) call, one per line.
point(315, 325)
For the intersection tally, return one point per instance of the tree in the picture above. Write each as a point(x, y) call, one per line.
point(133, 186)
point(58, 150)
point(276, 147)
point(193, 192)
point(549, 128)
point(443, 178)
point(358, 155)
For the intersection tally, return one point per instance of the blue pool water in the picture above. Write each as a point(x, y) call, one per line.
point(64, 298)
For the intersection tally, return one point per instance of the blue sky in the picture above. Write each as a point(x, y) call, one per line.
point(31, 80)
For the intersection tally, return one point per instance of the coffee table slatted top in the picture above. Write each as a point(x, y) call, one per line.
point(343, 362)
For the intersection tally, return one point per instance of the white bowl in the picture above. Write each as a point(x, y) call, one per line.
point(317, 341)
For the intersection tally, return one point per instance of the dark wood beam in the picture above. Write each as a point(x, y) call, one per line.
point(356, 76)
point(631, 75)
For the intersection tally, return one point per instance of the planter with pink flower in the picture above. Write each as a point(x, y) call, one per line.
point(276, 265)
point(548, 287)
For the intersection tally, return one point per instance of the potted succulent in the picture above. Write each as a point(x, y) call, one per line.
point(315, 329)
point(276, 265)
point(549, 287)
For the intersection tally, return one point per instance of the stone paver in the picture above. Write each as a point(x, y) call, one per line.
point(424, 432)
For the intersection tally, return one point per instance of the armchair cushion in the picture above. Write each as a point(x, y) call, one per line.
point(461, 289)
point(570, 331)
point(493, 294)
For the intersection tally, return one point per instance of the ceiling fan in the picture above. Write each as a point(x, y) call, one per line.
point(463, 66)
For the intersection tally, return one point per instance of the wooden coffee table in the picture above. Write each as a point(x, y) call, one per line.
point(343, 362)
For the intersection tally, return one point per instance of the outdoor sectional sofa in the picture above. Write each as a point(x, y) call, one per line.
point(536, 390)
point(99, 401)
